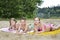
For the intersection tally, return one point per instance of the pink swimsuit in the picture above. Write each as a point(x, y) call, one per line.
point(50, 25)
point(40, 29)
point(45, 26)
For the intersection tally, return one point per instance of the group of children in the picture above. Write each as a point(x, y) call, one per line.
point(22, 26)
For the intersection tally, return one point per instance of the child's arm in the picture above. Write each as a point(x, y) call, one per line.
point(43, 27)
point(35, 29)
point(10, 28)
point(26, 29)
point(17, 28)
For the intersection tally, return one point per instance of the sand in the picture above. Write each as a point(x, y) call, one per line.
point(12, 36)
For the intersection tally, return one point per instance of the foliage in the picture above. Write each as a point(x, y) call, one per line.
point(18, 8)
point(49, 12)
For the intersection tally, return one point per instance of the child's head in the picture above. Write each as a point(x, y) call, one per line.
point(23, 21)
point(36, 20)
point(12, 21)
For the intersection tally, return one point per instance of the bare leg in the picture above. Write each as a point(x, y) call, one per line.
point(56, 27)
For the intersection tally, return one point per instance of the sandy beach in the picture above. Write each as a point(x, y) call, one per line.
point(12, 36)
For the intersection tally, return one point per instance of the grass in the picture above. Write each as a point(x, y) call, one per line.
point(6, 19)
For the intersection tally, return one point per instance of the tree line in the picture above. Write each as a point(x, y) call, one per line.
point(49, 12)
point(18, 8)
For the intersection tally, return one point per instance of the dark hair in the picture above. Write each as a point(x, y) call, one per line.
point(13, 20)
point(23, 18)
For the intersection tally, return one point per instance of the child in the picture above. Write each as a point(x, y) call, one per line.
point(41, 27)
point(38, 26)
point(22, 26)
point(12, 24)
point(12, 27)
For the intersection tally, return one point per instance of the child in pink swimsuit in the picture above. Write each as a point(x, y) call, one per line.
point(38, 26)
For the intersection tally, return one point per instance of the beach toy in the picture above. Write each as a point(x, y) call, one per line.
point(32, 32)
point(47, 33)
point(7, 30)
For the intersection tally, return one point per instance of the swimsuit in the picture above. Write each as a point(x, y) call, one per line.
point(40, 29)
point(31, 26)
point(50, 26)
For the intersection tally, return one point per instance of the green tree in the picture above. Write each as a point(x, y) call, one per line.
point(17, 8)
